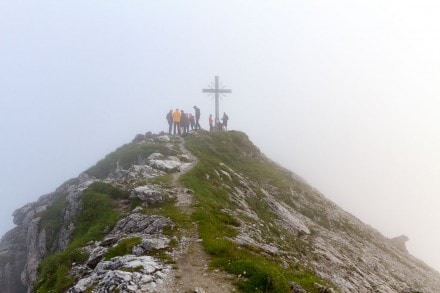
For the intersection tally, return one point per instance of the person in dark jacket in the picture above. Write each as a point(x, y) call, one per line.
point(225, 121)
point(184, 122)
point(197, 114)
point(170, 121)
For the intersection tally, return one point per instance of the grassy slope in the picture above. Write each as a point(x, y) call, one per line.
point(91, 224)
point(262, 273)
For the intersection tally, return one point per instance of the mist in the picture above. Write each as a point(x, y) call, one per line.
point(344, 94)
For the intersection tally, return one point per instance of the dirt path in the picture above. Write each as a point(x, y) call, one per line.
point(192, 273)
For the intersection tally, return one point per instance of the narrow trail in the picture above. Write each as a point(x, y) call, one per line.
point(192, 273)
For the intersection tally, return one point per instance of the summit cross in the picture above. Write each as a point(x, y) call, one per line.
point(216, 91)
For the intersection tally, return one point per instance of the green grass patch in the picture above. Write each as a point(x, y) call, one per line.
point(108, 189)
point(123, 247)
point(52, 219)
point(54, 271)
point(168, 209)
point(133, 270)
point(126, 156)
point(165, 181)
point(98, 215)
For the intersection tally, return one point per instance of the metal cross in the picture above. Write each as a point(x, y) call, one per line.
point(216, 91)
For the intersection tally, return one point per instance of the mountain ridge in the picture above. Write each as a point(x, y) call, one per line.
point(255, 226)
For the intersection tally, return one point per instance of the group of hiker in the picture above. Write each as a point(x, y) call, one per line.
point(180, 122)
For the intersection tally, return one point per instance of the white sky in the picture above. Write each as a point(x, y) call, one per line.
point(344, 93)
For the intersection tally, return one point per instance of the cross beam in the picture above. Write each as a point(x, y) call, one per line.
point(216, 91)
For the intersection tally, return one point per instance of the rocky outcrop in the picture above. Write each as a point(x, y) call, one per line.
point(135, 272)
point(128, 273)
point(12, 261)
point(400, 242)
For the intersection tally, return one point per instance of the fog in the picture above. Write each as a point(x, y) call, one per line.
point(343, 93)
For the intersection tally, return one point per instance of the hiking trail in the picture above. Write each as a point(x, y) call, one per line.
point(192, 272)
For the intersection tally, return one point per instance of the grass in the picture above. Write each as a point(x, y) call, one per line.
point(165, 181)
point(98, 215)
point(124, 247)
point(126, 156)
point(51, 219)
point(216, 219)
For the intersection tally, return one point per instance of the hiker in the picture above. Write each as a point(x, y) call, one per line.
point(225, 121)
point(210, 122)
point(176, 120)
point(170, 121)
point(197, 117)
point(188, 122)
point(184, 122)
point(192, 121)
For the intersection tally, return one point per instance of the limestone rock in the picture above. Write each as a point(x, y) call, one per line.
point(155, 156)
point(148, 193)
point(134, 172)
point(295, 288)
point(400, 242)
point(138, 223)
point(166, 165)
point(128, 273)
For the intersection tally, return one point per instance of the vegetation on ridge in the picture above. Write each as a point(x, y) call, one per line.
point(257, 271)
point(91, 225)
point(126, 156)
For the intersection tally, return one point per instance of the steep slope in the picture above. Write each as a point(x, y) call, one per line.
point(208, 213)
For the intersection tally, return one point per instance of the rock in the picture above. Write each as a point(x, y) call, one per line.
point(163, 138)
point(95, 256)
point(295, 288)
point(400, 242)
point(137, 209)
point(138, 223)
point(127, 273)
point(410, 290)
point(166, 165)
point(109, 240)
point(155, 156)
point(155, 243)
point(135, 172)
point(199, 290)
point(185, 158)
point(148, 193)
point(323, 289)
point(138, 138)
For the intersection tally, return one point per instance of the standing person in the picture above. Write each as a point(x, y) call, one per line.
point(191, 121)
point(170, 121)
point(184, 122)
point(225, 121)
point(210, 122)
point(197, 117)
point(176, 120)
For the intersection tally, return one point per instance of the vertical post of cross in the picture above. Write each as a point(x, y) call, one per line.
point(217, 91)
point(217, 115)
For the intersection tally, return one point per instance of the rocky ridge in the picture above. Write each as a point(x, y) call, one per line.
point(298, 226)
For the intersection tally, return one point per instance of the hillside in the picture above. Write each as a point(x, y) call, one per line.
point(204, 213)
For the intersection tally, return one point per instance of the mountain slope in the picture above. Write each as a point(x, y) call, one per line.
point(205, 213)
